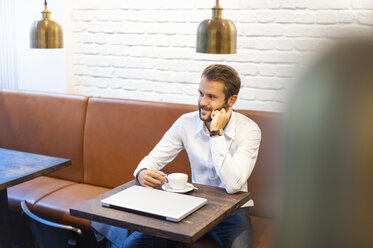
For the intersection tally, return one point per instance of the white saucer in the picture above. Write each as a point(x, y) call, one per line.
point(188, 187)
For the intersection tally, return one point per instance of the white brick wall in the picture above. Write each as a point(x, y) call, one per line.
point(145, 49)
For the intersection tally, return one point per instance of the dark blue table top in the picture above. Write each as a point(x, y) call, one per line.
point(17, 167)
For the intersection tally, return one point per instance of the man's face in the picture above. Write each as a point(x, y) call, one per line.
point(211, 97)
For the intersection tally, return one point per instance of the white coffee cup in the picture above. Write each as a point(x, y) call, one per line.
point(177, 180)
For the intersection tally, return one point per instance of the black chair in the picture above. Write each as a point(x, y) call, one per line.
point(49, 234)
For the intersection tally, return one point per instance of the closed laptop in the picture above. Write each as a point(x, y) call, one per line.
point(153, 202)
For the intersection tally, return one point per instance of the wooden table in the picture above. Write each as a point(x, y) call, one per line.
point(17, 167)
point(219, 206)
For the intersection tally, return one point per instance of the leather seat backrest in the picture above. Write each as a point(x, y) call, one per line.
point(44, 123)
point(264, 180)
point(119, 133)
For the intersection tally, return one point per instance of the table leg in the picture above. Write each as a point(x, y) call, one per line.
point(4, 220)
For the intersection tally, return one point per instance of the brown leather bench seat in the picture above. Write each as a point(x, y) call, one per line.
point(55, 206)
point(106, 139)
point(34, 190)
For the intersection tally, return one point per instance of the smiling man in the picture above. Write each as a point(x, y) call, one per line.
point(222, 147)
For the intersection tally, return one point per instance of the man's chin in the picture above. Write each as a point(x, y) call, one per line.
point(205, 118)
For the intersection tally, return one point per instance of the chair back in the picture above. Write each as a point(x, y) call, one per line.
point(50, 234)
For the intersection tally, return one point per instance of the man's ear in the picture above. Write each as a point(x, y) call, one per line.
point(232, 100)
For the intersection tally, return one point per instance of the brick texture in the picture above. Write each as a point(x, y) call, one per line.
point(146, 49)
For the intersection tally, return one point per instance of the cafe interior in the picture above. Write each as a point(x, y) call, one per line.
point(88, 88)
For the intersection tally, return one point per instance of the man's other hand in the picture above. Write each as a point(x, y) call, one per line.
point(151, 178)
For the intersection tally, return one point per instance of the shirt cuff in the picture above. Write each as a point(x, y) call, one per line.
point(137, 171)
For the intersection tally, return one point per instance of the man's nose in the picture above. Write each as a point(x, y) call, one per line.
point(203, 101)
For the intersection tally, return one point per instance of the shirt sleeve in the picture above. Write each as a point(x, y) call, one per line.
point(165, 151)
point(234, 169)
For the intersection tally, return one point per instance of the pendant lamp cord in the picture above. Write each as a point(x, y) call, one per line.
point(45, 2)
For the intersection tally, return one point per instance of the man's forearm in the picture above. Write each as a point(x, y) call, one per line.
point(234, 169)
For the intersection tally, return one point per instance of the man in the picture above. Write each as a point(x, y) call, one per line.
point(222, 147)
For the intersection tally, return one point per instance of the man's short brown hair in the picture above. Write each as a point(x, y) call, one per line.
point(225, 74)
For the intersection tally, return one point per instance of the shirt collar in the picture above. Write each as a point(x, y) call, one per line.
point(200, 125)
point(229, 129)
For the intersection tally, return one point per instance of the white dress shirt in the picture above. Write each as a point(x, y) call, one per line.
point(223, 161)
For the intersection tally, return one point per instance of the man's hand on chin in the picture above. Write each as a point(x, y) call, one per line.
point(220, 118)
point(151, 178)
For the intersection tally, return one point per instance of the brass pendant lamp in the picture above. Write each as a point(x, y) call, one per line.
point(217, 35)
point(46, 33)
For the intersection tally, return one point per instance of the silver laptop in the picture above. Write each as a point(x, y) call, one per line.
point(153, 202)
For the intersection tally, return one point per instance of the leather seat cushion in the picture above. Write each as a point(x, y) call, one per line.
point(34, 190)
point(56, 206)
point(263, 229)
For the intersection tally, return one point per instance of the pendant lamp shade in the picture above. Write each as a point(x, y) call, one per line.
point(217, 35)
point(46, 33)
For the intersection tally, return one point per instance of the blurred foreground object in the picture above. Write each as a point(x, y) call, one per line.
point(328, 172)
point(46, 33)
